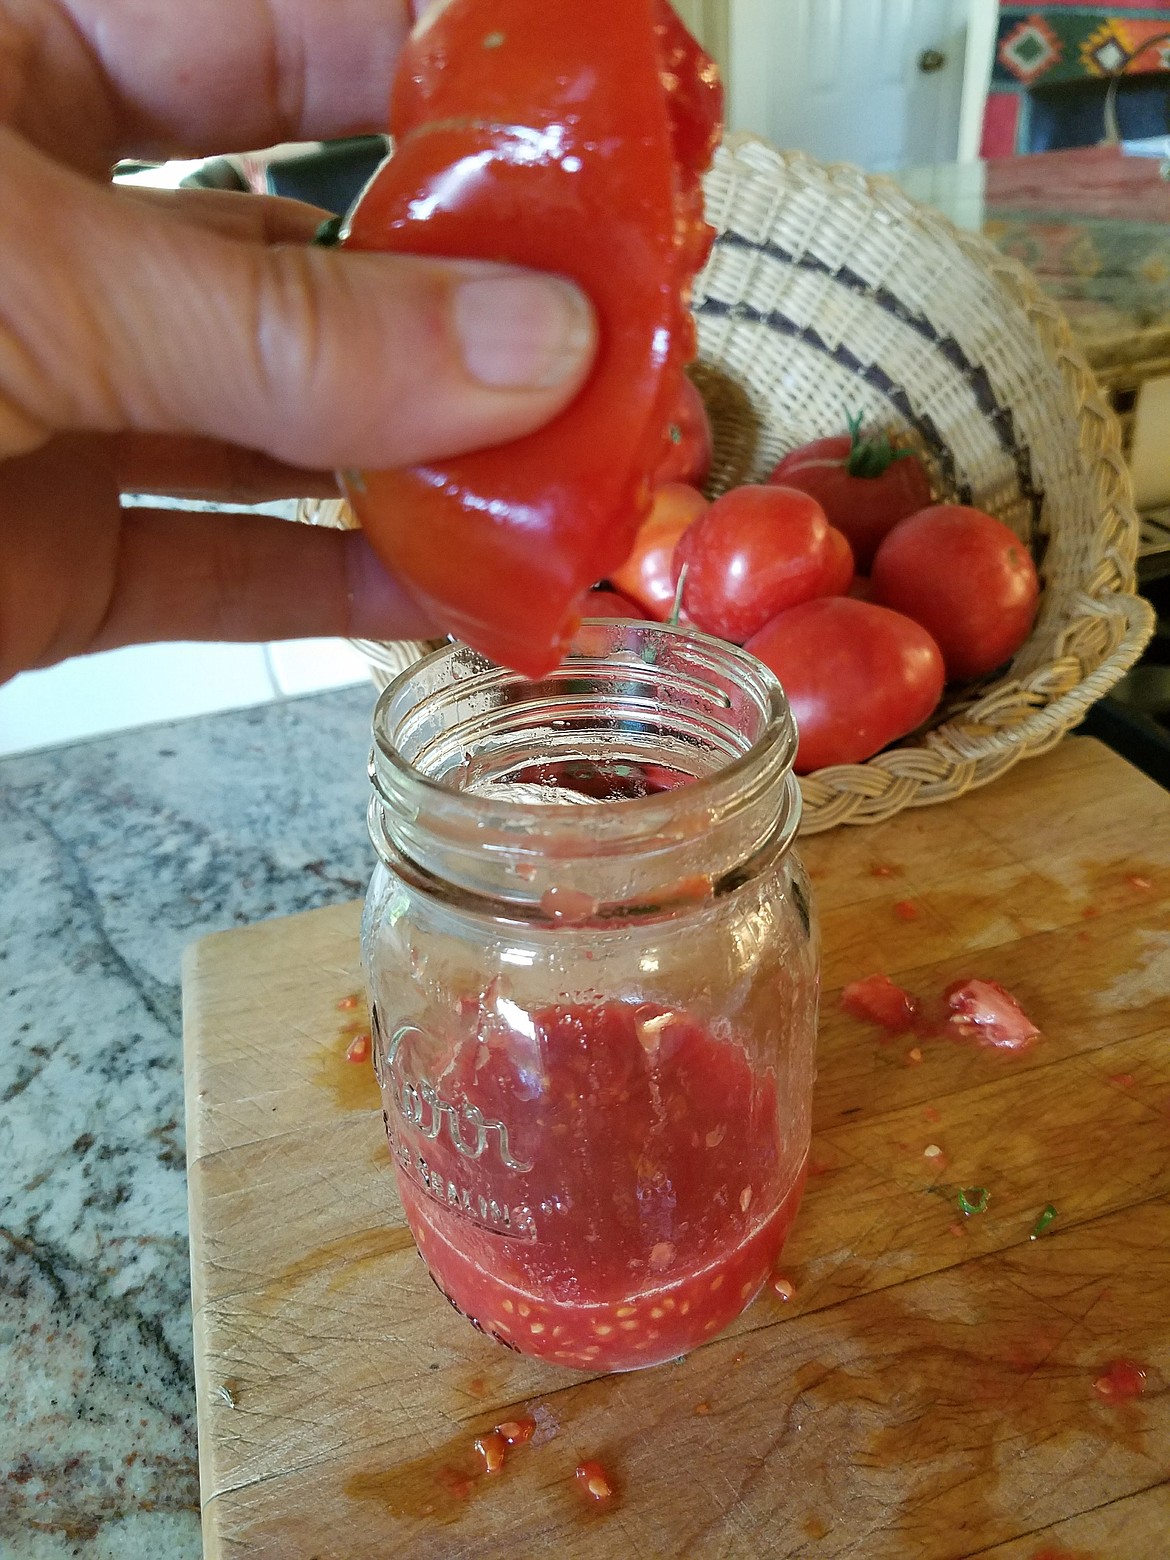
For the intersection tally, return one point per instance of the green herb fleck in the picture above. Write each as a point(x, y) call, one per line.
point(494, 40)
point(1043, 1222)
point(675, 433)
point(974, 1199)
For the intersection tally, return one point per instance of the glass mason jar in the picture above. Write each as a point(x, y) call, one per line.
point(593, 975)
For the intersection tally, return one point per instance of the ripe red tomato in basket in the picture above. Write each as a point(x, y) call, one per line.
point(754, 552)
point(864, 485)
point(857, 677)
point(688, 455)
point(838, 580)
point(967, 579)
point(647, 576)
point(569, 139)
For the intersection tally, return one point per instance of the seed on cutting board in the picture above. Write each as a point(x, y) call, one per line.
point(492, 1448)
point(784, 1287)
point(517, 1431)
point(359, 1049)
point(594, 1480)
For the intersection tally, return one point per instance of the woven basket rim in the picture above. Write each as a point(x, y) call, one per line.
point(965, 750)
point(934, 770)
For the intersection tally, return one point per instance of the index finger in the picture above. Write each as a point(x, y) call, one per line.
point(220, 75)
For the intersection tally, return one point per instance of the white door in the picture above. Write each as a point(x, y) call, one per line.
point(874, 82)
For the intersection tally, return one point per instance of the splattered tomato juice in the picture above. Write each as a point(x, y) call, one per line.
point(632, 1206)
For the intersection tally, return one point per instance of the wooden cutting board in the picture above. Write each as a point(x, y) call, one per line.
point(931, 1389)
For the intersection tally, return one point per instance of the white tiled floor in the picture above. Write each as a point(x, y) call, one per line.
point(147, 683)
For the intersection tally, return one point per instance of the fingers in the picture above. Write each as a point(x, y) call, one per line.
point(113, 317)
point(155, 78)
point(172, 466)
point(249, 577)
point(252, 219)
point(95, 80)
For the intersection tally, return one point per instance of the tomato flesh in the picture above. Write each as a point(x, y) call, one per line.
point(569, 139)
point(987, 1012)
point(688, 456)
point(879, 1001)
point(646, 1244)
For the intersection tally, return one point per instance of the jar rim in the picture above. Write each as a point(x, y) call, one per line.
point(772, 751)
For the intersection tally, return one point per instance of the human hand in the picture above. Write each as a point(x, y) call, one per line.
point(190, 343)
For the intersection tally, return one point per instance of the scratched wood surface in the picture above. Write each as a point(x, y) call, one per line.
point(929, 1392)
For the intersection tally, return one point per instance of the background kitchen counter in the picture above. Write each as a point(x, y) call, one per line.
point(114, 854)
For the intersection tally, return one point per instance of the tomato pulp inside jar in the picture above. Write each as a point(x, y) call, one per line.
point(593, 976)
point(654, 1239)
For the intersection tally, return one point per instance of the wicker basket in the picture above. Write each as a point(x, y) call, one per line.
point(830, 292)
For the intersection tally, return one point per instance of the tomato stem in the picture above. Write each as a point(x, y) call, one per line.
point(676, 610)
point(873, 456)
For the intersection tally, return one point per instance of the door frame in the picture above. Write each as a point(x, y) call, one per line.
point(736, 23)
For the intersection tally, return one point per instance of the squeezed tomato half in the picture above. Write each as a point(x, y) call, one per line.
point(663, 1190)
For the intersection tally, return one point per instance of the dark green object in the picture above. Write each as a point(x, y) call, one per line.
point(1043, 1222)
point(329, 233)
point(871, 457)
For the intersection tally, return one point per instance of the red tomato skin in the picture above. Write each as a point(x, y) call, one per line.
point(967, 579)
point(754, 553)
point(838, 579)
point(688, 457)
point(522, 131)
point(866, 509)
point(647, 576)
point(609, 604)
point(857, 677)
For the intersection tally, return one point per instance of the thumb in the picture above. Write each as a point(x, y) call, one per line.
point(118, 317)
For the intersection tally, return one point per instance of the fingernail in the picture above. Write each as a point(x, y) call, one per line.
point(523, 332)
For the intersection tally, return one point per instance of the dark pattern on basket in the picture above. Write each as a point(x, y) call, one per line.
point(976, 376)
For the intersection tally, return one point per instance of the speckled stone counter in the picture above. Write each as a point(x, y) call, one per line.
point(114, 854)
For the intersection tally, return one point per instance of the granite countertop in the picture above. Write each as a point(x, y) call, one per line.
point(115, 854)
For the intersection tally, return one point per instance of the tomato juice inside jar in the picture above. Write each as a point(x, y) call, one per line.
point(593, 974)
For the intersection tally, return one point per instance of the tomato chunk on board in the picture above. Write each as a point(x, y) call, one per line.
point(567, 138)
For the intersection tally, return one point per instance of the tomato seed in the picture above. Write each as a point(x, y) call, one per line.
point(359, 1049)
point(701, 1409)
point(347, 1004)
point(592, 1477)
point(914, 1054)
point(525, 1310)
point(517, 1431)
point(628, 1326)
point(491, 1447)
point(717, 1283)
point(1139, 883)
point(603, 1330)
point(745, 1198)
point(625, 1310)
point(784, 1287)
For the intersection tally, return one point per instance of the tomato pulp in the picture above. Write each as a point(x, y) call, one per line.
point(662, 1190)
point(571, 139)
